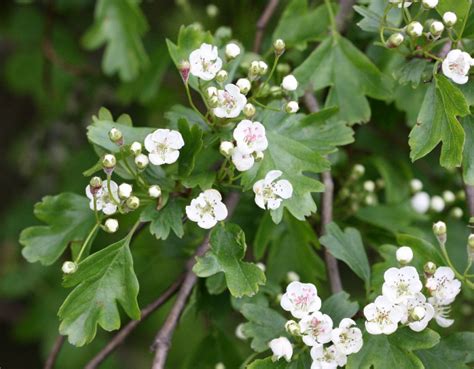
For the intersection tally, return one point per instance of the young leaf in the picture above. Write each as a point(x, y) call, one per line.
point(338, 307)
point(102, 281)
point(228, 248)
point(336, 62)
point(192, 136)
point(164, 220)
point(437, 122)
point(69, 219)
point(348, 247)
point(120, 25)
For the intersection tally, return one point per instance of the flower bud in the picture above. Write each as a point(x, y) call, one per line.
point(249, 110)
point(279, 46)
point(226, 148)
point(258, 155)
point(116, 136)
point(211, 92)
point(219, 365)
point(184, 68)
point(436, 28)
point(416, 185)
point(420, 202)
point(244, 85)
point(254, 69)
point(293, 328)
point(109, 161)
point(369, 186)
point(470, 241)
point(358, 171)
point(232, 50)
point(418, 313)
point(212, 10)
point(263, 68)
point(141, 161)
point(261, 266)
point(457, 212)
point(395, 40)
point(239, 332)
point(415, 29)
point(133, 202)
point(292, 277)
point(437, 204)
point(221, 76)
point(69, 267)
point(111, 225)
point(136, 148)
point(450, 19)
point(292, 107)
point(429, 4)
point(124, 191)
point(404, 255)
point(154, 191)
point(440, 231)
point(449, 197)
point(95, 183)
point(289, 83)
point(429, 268)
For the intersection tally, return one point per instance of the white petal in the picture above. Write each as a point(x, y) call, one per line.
point(373, 328)
point(171, 156)
point(207, 221)
point(109, 208)
point(220, 211)
point(156, 159)
point(150, 144)
point(459, 79)
point(284, 189)
point(260, 201)
point(272, 175)
point(175, 140)
point(273, 204)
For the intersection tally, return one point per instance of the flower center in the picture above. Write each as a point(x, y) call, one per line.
point(458, 66)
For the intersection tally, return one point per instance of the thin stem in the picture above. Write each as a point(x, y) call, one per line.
point(109, 190)
point(190, 99)
point(86, 242)
point(331, 16)
point(275, 63)
point(264, 106)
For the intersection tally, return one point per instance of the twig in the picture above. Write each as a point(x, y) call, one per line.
point(469, 189)
point(262, 24)
point(53, 355)
point(326, 208)
point(120, 337)
point(161, 344)
point(344, 14)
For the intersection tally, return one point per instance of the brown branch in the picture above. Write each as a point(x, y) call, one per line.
point(262, 24)
point(162, 342)
point(326, 208)
point(53, 355)
point(344, 14)
point(120, 337)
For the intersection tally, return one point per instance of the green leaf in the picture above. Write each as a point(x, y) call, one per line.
point(165, 220)
point(393, 351)
point(264, 235)
point(460, 8)
point(120, 25)
point(348, 247)
point(268, 363)
point(453, 352)
point(372, 16)
point(103, 280)
point(338, 64)
point(468, 153)
point(227, 249)
point(395, 179)
point(192, 136)
point(69, 219)
point(437, 122)
point(298, 24)
point(422, 249)
point(264, 324)
point(412, 72)
point(338, 307)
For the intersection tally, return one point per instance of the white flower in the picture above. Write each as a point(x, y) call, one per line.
point(136, 148)
point(270, 194)
point(263, 67)
point(416, 185)
point(430, 3)
point(441, 312)
point(154, 191)
point(400, 3)
point(382, 316)
point(450, 19)
point(111, 225)
point(232, 50)
point(242, 161)
point(404, 254)
point(125, 190)
point(281, 347)
point(163, 146)
point(437, 204)
point(415, 29)
point(102, 196)
point(443, 285)
point(327, 357)
point(207, 209)
point(244, 85)
point(417, 312)
point(230, 102)
point(369, 186)
point(289, 83)
point(205, 62)
point(316, 328)
point(69, 267)
point(401, 283)
point(226, 148)
point(420, 202)
point(292, 107)
point(250, 137)
point(456, 66)
point(300, 299)
point(347, 338)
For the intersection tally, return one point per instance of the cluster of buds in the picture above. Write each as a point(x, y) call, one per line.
point(257, 69)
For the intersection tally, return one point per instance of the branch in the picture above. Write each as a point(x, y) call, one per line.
point(162, 342)
point(326, 208)
point(120, 337)
point(469, 189)
point(344, 14)
point(262, 24)
point(53, 355)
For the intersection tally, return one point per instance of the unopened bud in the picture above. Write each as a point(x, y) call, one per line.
point(249, 110)
point(133, 202)
point(429, 268)
point(439, 228)
point(437, 204)
point(263, 68)
point(239, 332)
point(404, 255)
point(124, 191)
point(292, 107)
point(221, 76)
point(219, 366)
point(449, 197)
point(415, 29)
point(429, 4)
point(450, 19)
point(244, 85)
point(111, 225)
point(416, 185)
point(258, 156)
point(292, 277)
point(254, 69)
point(358, 171)
point(95, 183)
point(283, 68)
point(289, 83)
point(436, 28)
point(116, 136)
point(293, 328)
point(69, 267)
point(395, 40)
point(211, 92)
point(212, 10)
point(457, 212)
point(418, 313)
point(369, 186)
point(154, 191)
point(470, 240)
point(184, 68)
point(261, 266)
point(136, 148)
point(109, 161)
point(279, 46)
point(141, 161)
point(232, 50)
point(470, 247)
point(226, 148)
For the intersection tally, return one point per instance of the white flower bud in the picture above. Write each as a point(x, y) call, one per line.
point(293, 328)
point(184, 67)
point(69, 267)
point(219, 366)
point(249, 110)
point(369, 186)
point(292, 277)
point(436, 28)
point(457, 212)
point(292, 107)
point(109, 161)
point(124, 191)
point(212, 10)
point(416, 185)
point(404, 255)
point(232, 50)
point(239, 332)
point(470, 240)
point(281, 347)
point(395, 40)
point(141, 161)
point(226, 148)
point(279, 46)
point(261, 266)
point(211, 92)
point(449, 197)
point(258, 155)
point(437, 204)
point(289, 83)
point(429, 268)
point(415, 29)
point(221, 76)
point(262, 68)
point(154, 191)
point(136, 148)
point(133, 202)
point(116, 136)
point(111, 225)
point(370, 199)
point(439, 228)
point(254, 68)
point(418, 313)
point(420, 202)
point(358, 170)
point(450, 19)
point(244, 85)
point(429, 4)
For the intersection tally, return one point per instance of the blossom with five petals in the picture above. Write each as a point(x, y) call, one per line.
point(205, 62)
point(163, 146)
point(300, 299)
point(269, 194)
point(207, 209)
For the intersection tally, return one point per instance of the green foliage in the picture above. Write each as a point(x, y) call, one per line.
point(460, 8)
point(372, 16)
point(164, 220)
point(338, 307)
point(192, 136)
point(69, 220)
point(103, 280)
point(227, 249)
point(468, 153)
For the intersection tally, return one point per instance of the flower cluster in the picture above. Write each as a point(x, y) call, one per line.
point(402, 300)
point(315, 329)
